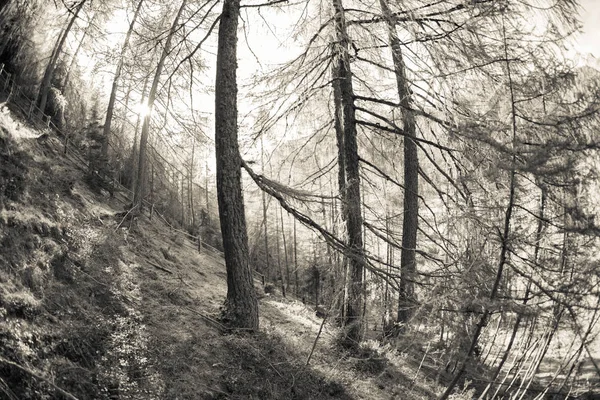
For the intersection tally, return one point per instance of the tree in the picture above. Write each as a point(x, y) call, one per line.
point(350, 193)
point(140, 188)
point(46, 83)
point(17, 21)
point(115, 85)
point(74, 58)
point(506, 233)
point(410, 212)
point(241, 305)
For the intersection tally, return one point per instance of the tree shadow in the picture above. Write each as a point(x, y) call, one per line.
point(203, 363)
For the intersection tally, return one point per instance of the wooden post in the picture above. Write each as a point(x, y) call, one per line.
point(206, 191)
point(182, 202)
point(199, 244)
point(1, 68)
point(47, 117)
point(152, 192)
point(296, 257)
point(174, 192)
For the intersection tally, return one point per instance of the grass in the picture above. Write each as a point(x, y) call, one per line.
point(65, 310)
point(105, 312)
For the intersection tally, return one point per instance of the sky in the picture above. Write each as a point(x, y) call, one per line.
point(589, 40)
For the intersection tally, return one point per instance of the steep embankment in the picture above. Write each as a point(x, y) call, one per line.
point(94, 308)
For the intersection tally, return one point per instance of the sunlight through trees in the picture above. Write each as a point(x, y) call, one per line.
point(422, 173)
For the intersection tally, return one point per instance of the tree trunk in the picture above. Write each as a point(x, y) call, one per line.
point(264, 210)
point(173, 193)
point(295, 259)
point(206, 193)
point(138, 195)
point(152, 192)
point(410, 221)
point(65, 81)
point(285, 253)
point(182, 181)
point(46, 84)
point(241, 306)
point(115, 85)
point(351, 194)
point(538, 239)
point(338, 118)
point(135, 147)
point(279, 266)
point(191, 187)
point(339, 134)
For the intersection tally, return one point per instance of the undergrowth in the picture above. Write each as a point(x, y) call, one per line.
point(65, 303)
point(250, 366)
point(104, 312)
point(267, 369)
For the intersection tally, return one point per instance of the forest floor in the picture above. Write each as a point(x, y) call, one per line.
point(93, 308)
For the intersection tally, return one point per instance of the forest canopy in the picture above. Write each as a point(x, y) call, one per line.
point(423, 172)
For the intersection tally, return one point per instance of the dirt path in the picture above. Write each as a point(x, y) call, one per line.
point(112, 311)
point(180, 310)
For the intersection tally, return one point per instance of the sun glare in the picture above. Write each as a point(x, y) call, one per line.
point(142, 109)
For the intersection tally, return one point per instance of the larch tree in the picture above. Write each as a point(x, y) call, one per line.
point(506, 232)
point(350, 193)
point(74, 58)
point(115, 84)
point(46, 83)
point(241, 305)
point(140, 188)
point(410, 212)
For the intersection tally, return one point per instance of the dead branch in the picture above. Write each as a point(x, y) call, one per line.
point(38, 377)
point(159, 267)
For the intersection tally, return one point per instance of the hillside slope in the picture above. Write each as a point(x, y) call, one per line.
point(93, 308)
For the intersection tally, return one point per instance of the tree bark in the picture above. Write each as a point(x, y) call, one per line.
point(353, 331)
point(135, 146)
point(115, 85)
point(285, 253)
point(538, 239)
point(295, 259)
point(206, 193)
point(279, 266)
point(264, 210)
point(67, 78)
point(183, 220)
point(338, 118)
point(410, 221)
point(138, 195)
point(4, 3)
point(241, 306)
point(191, 186)
point(151, 192)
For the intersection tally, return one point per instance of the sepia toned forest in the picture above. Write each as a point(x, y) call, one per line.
point(413, 184)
